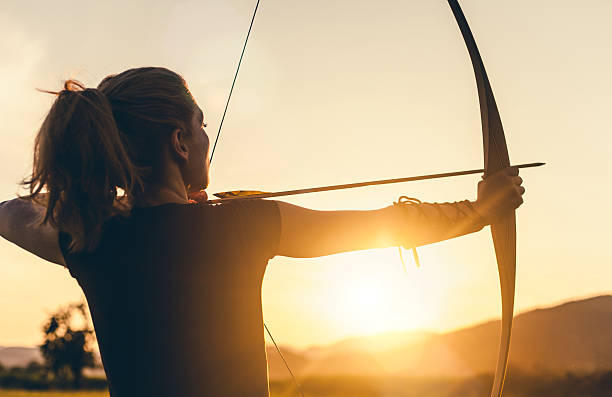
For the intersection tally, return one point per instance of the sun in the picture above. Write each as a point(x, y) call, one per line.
point(366, 297)
point(366, 301)
point(360, 305)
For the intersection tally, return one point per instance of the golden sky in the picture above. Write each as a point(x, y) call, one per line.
point(346, 91)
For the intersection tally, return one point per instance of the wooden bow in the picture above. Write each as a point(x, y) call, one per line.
point(503, 231)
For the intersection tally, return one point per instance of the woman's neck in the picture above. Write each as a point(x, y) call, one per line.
point(169, 188)
point(164, 195)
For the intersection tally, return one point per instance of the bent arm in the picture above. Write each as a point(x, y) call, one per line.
point(309, 233)
point(20, 224)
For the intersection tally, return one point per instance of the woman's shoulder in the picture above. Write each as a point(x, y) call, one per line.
point(229, 215)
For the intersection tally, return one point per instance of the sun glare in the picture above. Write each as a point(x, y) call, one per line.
point(360, 302)
point(378, 296)
point(366, 298)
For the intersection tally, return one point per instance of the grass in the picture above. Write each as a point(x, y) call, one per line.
point(519, 385)
point(23, 393)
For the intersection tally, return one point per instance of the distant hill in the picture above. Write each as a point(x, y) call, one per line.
point(19, 356)
point(572, 337)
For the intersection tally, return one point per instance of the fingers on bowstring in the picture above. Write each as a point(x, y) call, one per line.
point(199, 196)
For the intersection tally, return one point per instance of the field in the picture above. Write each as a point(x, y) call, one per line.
point(323, 387)
point(519, 385)
point(21, 393)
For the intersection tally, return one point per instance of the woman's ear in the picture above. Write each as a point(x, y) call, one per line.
point(178, 144)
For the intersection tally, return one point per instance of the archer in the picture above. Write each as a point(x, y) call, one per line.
point(161, 258)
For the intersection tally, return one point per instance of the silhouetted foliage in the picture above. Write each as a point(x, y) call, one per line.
point(66, 350)
point(35, 376)
point(34, 367)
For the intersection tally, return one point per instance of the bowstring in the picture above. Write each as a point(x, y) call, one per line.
point(229, 97)
point(297, 384)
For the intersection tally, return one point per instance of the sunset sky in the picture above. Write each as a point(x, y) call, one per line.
point(347, 91)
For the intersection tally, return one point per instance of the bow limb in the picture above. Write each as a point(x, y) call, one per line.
point(503, 231)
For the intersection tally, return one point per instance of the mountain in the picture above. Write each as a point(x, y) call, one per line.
point(572, 337)
point(16, 356)
point(19, 356)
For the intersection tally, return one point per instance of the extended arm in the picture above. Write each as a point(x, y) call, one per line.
point(20, 224)
point(310, 233)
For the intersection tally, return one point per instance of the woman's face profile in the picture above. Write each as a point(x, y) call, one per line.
point(196, 175)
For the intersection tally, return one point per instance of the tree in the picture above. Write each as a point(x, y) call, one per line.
point(68, 350)
point(34, 367)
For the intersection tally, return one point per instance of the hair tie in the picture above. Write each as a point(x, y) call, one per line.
point(70, 85)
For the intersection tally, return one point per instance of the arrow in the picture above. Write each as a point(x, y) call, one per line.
point(251, 194)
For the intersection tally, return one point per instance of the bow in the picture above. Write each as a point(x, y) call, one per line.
point(503, 231)
point(496, 158)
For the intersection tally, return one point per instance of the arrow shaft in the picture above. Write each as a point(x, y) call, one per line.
point(363, 184)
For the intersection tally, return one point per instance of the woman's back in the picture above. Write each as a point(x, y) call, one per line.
point(170, 286)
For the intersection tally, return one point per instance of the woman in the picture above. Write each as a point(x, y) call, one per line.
point(174, 285)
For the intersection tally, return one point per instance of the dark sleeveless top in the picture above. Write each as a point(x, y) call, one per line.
point(175, 297)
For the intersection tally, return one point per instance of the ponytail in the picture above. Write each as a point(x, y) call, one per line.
point(96, 140)
point(81, 159)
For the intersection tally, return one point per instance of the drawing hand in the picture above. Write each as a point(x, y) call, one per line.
point(199, 196)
